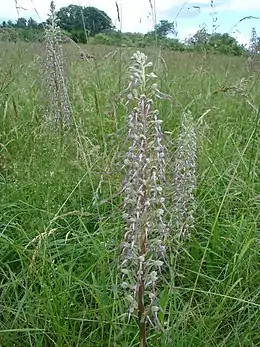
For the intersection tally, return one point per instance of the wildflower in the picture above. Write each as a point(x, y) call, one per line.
point(144, 204)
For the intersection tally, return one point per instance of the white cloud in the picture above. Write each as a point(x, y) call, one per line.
point(242, 38)
point(240, 5)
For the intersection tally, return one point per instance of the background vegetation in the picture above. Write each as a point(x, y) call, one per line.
point(91, 25)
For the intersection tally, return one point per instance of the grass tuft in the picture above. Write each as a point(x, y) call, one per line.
point(60, 209)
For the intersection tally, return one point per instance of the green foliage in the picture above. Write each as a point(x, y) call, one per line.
point(21, 23)
point(89, 24)
point(10, 24)
point(91, 19)
point(165, 28)
point(60, 220)
point(18, 34)
point(101, 39)
point(9, 34)
point(225, 44)
point(78, 36)
point(32, 24)
point(216, 43)
point(201, 37)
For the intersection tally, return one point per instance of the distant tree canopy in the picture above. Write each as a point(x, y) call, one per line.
point(163, 29)
point(200, 38)
point(22, 23)
point(32, 24)
point(91, 19)
point(219, 43)
point(83, 24)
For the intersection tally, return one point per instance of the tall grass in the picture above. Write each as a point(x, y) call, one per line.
point(60, 220)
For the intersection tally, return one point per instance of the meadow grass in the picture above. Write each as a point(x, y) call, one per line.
point(61, 212)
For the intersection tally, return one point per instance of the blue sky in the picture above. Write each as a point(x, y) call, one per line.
point(137, 15)
point(190, 20)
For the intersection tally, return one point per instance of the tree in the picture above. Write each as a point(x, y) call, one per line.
point(165, 28)
point(91, 19)
point(10, 24)
point(32, 24)
point(21, 23)
point(4, 24)
point(162, 30)
point(224, 43)
point(96, 21)
point(200, 38)
point(216, 42)
point(70, 17)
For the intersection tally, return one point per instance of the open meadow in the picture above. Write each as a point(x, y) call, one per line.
point(61, 222)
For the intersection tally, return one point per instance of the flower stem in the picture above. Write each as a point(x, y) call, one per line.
point(142, 318)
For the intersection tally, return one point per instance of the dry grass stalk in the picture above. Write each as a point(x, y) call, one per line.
point(38, 240)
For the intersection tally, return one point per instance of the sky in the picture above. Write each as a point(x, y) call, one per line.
point(137, 15)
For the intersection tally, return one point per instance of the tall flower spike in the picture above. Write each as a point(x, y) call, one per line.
point(144, 204)
point(185, 178)
point(57, 88)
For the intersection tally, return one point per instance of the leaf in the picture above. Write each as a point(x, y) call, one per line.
point(245, 249)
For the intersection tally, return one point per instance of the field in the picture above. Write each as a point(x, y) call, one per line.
point(60, 208)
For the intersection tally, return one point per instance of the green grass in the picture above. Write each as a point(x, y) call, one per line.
point(61, 289)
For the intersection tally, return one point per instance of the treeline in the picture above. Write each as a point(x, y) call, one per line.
point(91, 25)
point(78, 22)
point(215, 43)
